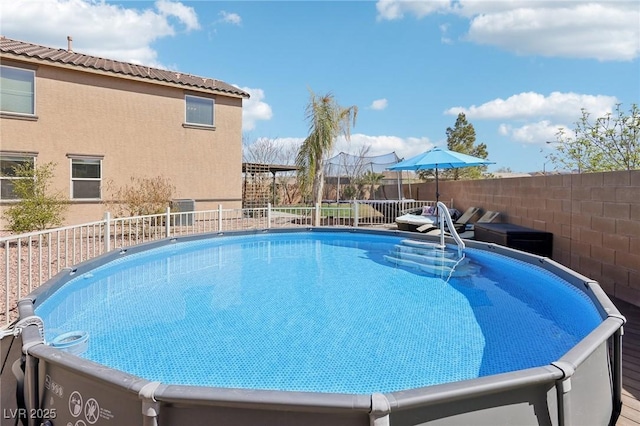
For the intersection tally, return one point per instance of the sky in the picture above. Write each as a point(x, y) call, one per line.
point(519, 70)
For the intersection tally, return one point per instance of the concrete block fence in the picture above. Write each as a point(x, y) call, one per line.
point(594, 218)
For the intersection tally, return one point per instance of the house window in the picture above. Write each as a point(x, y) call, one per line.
point(9, 166)
point(199, 111)
point(86, 178)
point(17, 90)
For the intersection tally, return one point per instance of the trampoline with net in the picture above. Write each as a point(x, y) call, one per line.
point(346, 174)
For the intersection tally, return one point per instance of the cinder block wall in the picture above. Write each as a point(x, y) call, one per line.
point(594, 218)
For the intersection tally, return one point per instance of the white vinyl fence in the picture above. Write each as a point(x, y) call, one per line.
point(28, 260)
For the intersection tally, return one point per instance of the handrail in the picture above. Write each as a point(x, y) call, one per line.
point(443, 214)
point(49, 231)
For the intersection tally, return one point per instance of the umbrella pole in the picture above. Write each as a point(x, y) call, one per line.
point(437, 190)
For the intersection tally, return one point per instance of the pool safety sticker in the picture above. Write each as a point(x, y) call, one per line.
point(89, 410)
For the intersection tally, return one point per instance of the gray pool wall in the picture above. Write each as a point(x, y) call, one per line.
point(582, 387)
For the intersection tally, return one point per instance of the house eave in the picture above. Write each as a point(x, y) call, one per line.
point(33, 60)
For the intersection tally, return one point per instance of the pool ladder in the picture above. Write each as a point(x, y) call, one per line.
point(430, 258)
point(444, 216)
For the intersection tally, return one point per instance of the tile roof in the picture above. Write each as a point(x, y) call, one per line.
point(62, 56)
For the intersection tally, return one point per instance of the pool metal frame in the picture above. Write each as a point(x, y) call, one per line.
point(582, 387)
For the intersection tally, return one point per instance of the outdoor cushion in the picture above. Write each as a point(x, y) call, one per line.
point(416, 219)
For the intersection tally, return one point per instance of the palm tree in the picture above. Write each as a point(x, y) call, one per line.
point(327, 120)
point(372, 179)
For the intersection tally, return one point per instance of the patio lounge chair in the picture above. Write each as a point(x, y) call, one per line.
point(416, 218)
point(468, 231)
point(488, 217)
point(424, 216)
point(458, 224)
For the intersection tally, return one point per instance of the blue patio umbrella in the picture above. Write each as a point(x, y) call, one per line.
point(438, 158)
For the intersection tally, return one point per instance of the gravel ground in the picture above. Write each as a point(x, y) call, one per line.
point(25, 266)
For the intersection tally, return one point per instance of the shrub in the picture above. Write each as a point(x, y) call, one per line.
point(143, 196)
point(38, 208)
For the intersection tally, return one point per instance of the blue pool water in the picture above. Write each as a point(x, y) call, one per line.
point(315, 311)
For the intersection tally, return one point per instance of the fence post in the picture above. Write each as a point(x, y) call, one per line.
point(356, 212)
point(268, 215)
point(316, 221)
point(107, 232)
point(167, 222)
point(219, 217)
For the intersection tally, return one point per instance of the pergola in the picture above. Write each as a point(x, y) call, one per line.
point(253, 194)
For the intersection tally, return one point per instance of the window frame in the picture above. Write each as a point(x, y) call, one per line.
point(23, 155)
point(87, 158)
point(33, 94)
point(188, 123)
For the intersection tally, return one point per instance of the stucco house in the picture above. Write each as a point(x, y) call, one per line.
point(103, 121)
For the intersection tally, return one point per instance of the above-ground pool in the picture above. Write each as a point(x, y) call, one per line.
point(322, 326)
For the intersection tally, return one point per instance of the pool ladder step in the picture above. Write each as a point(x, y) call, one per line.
point(429, 258)
point(420, 244)
point(431, 252)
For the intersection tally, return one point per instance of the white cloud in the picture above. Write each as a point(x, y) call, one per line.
point(289, 143)
point(444, 30)
point(380, 145)
point(602, 30)
point(396, 9)
point(254, 108)
point(99, 28)
point(231, 18)
point(531, 133)
point(185, 14)
point(536, 117)
point(379, 104)
point(471, 8)
point(504, 129)
point(530, 104)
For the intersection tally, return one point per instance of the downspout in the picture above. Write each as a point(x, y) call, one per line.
point(150, 407)
point(380, 409)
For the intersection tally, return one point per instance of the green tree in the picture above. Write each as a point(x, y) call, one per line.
point(349, 192)
point(609, 143)
point(38, 207)
point(327, 120)
point(461, 138)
